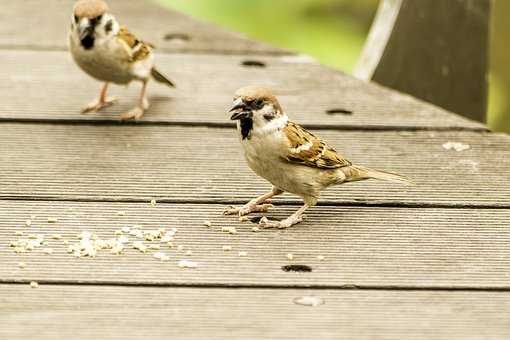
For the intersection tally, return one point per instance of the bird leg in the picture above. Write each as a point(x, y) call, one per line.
point(259, 204)
point(293, 219)
point(143, 104)
point(101, 102)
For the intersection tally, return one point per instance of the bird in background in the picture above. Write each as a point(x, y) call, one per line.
point(111, 54)
point(289, 157)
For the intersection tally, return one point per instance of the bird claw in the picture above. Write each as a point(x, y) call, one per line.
point(247, 209)
point(98, 105)
point(135, 113)
point(265, 223)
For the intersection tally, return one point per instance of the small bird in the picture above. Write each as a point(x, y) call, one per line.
point(110, 53)
point(288, 156)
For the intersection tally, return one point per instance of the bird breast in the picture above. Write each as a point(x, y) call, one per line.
point(107, 61)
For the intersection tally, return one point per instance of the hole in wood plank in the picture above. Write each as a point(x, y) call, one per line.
point(297, 268)
point(253, 63)
point(181, 37)
point(339, 112)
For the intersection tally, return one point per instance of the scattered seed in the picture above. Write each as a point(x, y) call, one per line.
point(170, 244)
point(243, 219)
point(118, 232)
point(242, 254)
point(311, 301)
point(34, 284)
point(121, 213)
point(230, 230)
point(52, 220)
point(208, 224)
point(180, 247)
point(28, 223)
point(19, 233)
point(290, 256)
point(126, 230)
point(189, 252)
point(226, 248)
point(321, 258)
point(187, 264)
point(255, 229)
point(65, 242)
point(56, 236)
point(153, 202)
point(48, 251)
point(161, 256)
point(140, 246)
point(154, 247)
point(456, 146)
point(33, 217)
point(22, 265)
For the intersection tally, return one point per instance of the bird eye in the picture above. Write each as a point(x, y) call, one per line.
point(76, 19)
point(98, 18)
point(259, 103)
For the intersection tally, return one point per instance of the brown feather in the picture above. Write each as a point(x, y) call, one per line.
point(90, 8)
point(305, 148)
point(140, 49)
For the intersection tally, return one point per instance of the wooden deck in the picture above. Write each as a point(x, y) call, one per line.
point(424, 262)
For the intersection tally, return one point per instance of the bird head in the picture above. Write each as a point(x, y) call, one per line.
point(258, 105)
point(92, 22)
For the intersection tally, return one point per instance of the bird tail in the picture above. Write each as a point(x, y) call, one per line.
point(159, 77)
point(355, 173)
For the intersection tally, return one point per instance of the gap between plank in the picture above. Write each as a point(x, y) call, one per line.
point(228, 125)
point(502, 289)
point(354, 203)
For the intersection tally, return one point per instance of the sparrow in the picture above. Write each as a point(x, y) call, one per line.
point(291, 158)
point(110, 53)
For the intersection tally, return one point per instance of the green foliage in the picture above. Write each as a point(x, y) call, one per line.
point(334, 31)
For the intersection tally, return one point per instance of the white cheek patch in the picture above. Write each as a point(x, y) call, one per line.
point(275, 124)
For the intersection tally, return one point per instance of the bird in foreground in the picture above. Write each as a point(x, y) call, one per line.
point(288, 156)
point(110, 53)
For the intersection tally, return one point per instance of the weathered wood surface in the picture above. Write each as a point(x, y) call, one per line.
point(35, 25)
point(205, 87)
point(362, 246)
point(64, 312)
point(183, 164)
point(435, 50)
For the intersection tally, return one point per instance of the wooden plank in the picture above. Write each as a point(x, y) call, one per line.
point(364, 247)
point(150, 21)
point(435, 50)
point(206, 84)
point(200, 164)
point(93, 312)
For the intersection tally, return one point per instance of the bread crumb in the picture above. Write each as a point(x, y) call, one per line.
point(52, 220)
point(153, 202)
point(56, 236)
point(255, 229)
point(28, 223)
point(187, 264)
point(154, 247)
point(230, 230)
point(290, 256)
point(161, 256)
point(126, 230)
point(180, 247)
point(226, 248)
point(208, 224)
point(22, 265)
point(48, 251)
point(242, 254)
point(189, 252)
point(18, 233)
point(321, 258)
point(121, 213)
point(243, 219)
point(34, 284)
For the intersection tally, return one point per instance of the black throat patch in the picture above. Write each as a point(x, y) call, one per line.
point(246, 127)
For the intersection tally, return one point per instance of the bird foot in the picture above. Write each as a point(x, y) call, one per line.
point(248, 209)
point(286, 223)
point(137, 112)
point(98, 105)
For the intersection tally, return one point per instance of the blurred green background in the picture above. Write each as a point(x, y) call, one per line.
point(334, 31)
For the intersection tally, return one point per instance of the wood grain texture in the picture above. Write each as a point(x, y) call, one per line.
point(92, 312)
point(200, 164)
point(35, 24)
point(363, 246)
point(205, 87)
point(435, 50)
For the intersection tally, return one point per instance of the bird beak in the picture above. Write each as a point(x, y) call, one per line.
point(240, 110)
point(85, 29)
